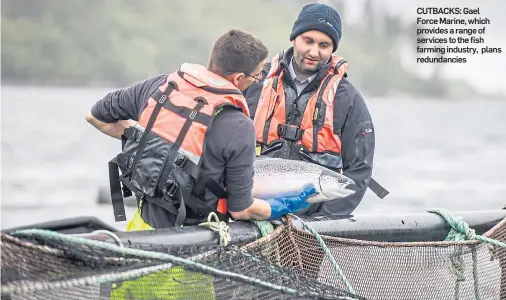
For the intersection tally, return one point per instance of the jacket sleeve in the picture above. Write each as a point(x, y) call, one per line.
point(126, 103)
point(358, 143)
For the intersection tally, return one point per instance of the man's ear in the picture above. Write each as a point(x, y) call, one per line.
point(235, 78)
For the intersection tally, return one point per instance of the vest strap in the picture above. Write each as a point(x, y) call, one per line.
point(118, 205)
point(290, 132)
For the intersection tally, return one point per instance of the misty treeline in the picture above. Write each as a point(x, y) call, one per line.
point(118, 42)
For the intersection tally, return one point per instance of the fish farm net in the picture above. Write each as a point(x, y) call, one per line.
point(288, 263)
point(41, 267)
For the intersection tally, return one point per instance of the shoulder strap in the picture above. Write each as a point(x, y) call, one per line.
point(276, 64)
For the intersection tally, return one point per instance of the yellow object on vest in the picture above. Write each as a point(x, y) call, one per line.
point(136, 223)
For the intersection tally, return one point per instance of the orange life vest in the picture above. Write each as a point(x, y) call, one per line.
point(270, 118)
point(162, 155)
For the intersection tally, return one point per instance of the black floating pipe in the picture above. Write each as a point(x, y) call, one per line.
point(387, 228)
point(240, 233)
point(402, 227)
point(382, 227)
point(69, 226)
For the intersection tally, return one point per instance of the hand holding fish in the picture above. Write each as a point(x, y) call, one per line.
point(290, 204)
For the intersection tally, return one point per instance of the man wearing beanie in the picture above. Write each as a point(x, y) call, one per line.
point(305, 108)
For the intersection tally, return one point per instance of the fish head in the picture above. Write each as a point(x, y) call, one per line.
point(333, 186)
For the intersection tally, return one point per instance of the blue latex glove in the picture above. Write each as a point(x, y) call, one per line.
point(284, 205)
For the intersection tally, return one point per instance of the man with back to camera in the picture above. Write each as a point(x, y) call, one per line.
point(178, 110)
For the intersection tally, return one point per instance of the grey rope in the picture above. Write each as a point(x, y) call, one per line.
point(460, 230)
point(88, 280)
point(265, 227)
point(218, 226)
point(327, 252)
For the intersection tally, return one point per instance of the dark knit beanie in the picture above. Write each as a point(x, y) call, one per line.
point(321, 17)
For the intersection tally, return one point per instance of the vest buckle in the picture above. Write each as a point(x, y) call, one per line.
point(132, 133)
point(129, 133)
point(171, 187)
point(290, 132)
point(181, 160)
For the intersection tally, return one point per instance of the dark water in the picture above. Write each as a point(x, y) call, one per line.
point(429, 154)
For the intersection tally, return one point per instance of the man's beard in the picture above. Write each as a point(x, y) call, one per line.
point(299, 60)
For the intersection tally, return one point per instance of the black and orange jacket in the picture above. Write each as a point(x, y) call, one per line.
point(162, 154)
point(351, 145)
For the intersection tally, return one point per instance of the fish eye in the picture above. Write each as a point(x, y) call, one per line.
point(341, 180)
